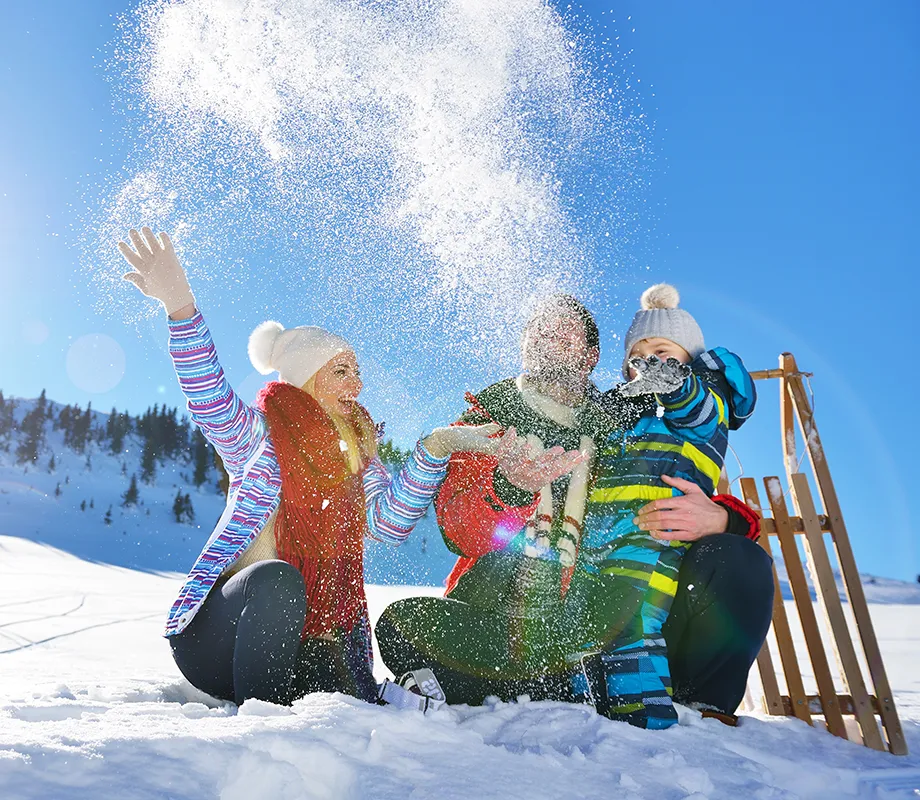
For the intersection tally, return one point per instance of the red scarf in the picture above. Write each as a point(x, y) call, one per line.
point(321, 522)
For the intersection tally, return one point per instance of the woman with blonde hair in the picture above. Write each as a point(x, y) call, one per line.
point(274, 606)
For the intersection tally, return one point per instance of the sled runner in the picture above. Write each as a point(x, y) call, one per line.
point(848, 707)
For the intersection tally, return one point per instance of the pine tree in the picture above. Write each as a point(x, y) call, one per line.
point(51, 464)
point(7, 409)
point(57, 490)
point(92, 503)
point(131, 495)
point(391, 455)
point(182, 508)
point(107, 519)
point(82, 505)
point(200, 456)
point(148, 461)
point(33, 429)
point(80, 428)
point(178, 507)
point(116, 430)
point(189, 511)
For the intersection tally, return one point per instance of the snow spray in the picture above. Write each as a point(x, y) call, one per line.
point(412, 174)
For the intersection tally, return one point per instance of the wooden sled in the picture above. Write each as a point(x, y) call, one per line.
point(843, 703)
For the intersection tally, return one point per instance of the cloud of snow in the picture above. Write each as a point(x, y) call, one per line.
point(432, 155)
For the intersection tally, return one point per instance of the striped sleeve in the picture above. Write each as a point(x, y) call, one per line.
point(694, 411)
point(235, 429)
point(395, 505)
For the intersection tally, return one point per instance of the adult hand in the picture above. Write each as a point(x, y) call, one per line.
point(684, 518)
point(442, 442)
point(528, 469)
point(157, 272)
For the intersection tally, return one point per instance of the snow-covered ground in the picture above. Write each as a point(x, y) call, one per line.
point(91, 706)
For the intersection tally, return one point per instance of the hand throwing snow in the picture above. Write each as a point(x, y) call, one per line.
point(530, 470)
point(654, 376)
point(157, 272)
point(442, 442)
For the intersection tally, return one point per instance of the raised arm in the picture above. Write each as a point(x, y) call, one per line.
point(235, 429)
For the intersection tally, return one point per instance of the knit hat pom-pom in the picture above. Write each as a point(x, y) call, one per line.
point(661, 295)
point(261, 343)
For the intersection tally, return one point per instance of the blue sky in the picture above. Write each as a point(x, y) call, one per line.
point(782, 202)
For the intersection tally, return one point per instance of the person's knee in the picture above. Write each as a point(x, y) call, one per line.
point(276, 581)
point(731, 571)
point(728, 557)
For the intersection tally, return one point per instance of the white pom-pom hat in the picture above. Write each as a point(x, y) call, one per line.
point(297, 354)
point(660, 318)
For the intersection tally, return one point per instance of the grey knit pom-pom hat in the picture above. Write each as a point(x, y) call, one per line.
point(659, 317)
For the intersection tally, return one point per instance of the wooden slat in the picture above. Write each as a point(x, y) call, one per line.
point(780, 623)
point(846, 559)
point(787, 424)
point(761, 374)
point(802, 596)
point(829, 602)
point(767, 526)
point(845, 702)
point(772, 699)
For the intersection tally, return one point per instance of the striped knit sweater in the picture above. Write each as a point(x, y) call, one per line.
point(240, 435)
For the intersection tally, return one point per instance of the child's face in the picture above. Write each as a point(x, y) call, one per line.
point(663, 348)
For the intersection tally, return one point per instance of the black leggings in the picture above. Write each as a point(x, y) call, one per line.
point(245, 641)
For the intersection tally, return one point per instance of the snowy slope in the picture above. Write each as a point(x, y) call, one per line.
point(44, 504)
point(91, 706)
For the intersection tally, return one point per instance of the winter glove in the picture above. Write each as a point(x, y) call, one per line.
point(442, 442)
point(654, 376)
point(158, 273)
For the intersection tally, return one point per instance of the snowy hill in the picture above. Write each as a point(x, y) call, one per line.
point(91, 706)
point(878, 590)
point(62, 498)
point(64, 504)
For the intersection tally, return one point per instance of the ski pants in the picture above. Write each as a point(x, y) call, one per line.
point(245, 642)
point(718, 621)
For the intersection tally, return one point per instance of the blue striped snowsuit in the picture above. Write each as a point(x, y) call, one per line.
point(686, 437)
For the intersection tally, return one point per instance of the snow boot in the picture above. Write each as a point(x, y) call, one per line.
point(623, 687)
point(418, 689)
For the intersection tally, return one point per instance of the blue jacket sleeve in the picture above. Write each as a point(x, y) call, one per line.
point(718, 394)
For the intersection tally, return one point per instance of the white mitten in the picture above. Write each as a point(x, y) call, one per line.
point(442, 442)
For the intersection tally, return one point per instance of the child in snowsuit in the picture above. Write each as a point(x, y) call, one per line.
point(684, 400)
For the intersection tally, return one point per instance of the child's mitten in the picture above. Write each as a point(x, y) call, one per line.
point(654, 376)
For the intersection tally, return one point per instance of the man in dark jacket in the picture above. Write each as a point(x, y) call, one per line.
point(502, 629)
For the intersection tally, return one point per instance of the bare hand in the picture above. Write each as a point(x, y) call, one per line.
point(529, 470)
point(684, 518)
point(442, 442)
point(157, 272)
